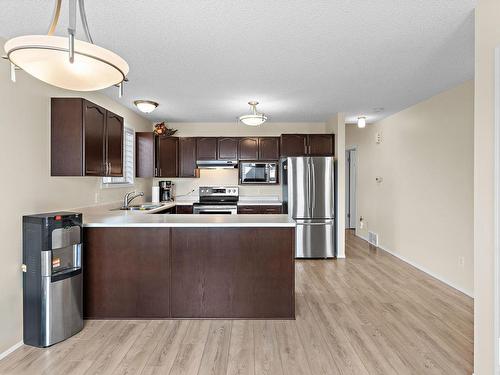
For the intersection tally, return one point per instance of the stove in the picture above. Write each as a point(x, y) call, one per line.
point(217, 200)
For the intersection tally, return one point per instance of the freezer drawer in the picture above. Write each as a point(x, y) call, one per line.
point(315, 239)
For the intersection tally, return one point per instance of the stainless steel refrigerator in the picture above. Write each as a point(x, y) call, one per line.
point(309, 188)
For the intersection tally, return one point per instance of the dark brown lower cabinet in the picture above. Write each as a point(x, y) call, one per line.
point(126, 273)
point(134, 273)
point(270, 209)
point(233, 273)
point(184, 209)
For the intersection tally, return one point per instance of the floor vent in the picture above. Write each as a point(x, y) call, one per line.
point(373, 238)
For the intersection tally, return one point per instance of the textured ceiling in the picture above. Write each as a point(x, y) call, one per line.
point(304, 60)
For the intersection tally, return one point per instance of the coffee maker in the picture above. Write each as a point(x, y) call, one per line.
point(166, 191)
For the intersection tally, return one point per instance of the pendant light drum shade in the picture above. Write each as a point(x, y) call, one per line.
point(46, 58)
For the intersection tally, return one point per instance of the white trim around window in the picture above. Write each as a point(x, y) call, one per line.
point(128, 163)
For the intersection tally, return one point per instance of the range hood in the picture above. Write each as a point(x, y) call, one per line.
point(217, 164)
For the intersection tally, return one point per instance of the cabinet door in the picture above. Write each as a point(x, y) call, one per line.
point(184, 209)
point(187, 157)
point(144, 154)
point(206, 148)
point(269, 148)
point(167, 156)
point(270, 209)
point(248, 149)
point(321, 144)
point(114, 144)
point(66, 136)
point(94, 144)
point(227, 148)
point(248, 210)
point(293, 145)
point(121, 280)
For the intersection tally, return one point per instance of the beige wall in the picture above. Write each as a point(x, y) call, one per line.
point(336, 124)
point(26, 183)
point(487, 39)
point(423, 209)
point(230, 177)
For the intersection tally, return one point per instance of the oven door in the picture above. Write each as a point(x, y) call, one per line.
point(215, 210)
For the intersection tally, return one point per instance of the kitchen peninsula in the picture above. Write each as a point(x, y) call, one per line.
point(140, 265)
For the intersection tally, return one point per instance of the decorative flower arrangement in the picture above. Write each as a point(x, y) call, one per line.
point(162, 130)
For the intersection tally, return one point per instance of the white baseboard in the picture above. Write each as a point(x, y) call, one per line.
point(423, 269)
point(11, 349)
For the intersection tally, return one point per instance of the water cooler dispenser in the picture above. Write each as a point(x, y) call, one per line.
point(52, 278)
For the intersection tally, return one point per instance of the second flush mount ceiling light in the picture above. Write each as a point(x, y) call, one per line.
point(255, 118)
point(145, 106)
point(68, 63)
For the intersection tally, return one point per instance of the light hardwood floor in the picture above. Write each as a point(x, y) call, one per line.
point(368, 314)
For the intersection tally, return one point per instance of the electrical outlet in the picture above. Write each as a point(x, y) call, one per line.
point(461, 261)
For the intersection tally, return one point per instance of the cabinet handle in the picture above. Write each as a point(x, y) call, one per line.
point(156, 171)
point(160, 172)
point(109, 170)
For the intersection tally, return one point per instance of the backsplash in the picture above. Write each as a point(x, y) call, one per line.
point(219, 177)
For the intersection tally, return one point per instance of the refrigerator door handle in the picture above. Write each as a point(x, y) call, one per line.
point(316, 223)
point(308, 191)
point(313, 188)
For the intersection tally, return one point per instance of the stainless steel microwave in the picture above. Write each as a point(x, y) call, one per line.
point(258, 172)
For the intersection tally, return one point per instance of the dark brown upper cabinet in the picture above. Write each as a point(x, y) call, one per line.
point(156, 156)
point(167, 154)
point(145, 160)
point(206, 148)
point(114, 144)
point(86, 139)
point(94, 126)
point(293, 145)
point(307, 145)
point(259, 148)
point(321, 144)
point(187, 157)
point(248, 148)
point(227, 148)
point(269, 148)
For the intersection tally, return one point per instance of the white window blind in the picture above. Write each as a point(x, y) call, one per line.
point(128, 162)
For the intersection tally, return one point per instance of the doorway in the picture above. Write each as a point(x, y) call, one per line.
point(350, 188)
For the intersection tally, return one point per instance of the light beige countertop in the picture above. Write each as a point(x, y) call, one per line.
point(109, 216)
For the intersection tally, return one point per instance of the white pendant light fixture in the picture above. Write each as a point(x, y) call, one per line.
point(254, 119)
point(361, 122)
point(145, 106)
point(68, 63)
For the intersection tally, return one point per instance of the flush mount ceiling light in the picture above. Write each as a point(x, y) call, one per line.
point(361, 122)
point(146, 106)
point(254, 119)
point(68, 63)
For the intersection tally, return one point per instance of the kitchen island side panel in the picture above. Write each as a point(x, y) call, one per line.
point(126, 273)
point(193, 272)
point(233, 273)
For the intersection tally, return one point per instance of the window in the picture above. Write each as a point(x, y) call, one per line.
point(128, 163)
